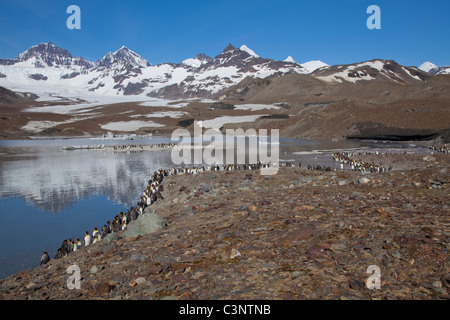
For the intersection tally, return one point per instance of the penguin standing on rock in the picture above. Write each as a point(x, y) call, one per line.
point(105, 231)
point(64, 248)
point(95, 232)
point(58, 254)
point(87, 239)
point(45, 258)
point(77, 245)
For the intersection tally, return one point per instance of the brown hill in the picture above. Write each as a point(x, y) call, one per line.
point(354, 101)
point(8, 96)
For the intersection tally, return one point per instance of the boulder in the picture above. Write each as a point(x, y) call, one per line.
point(144, 224)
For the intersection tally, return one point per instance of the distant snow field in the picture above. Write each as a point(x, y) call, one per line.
point(218, 122)
point(38, 126)
point(255, 107)
point(130, 125)
point(162, 114)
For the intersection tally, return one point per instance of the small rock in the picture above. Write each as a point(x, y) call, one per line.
point(231, 253)
point(29, 285)
point(315, 251)
point(94, 269)
point(205, 187)
point(103, 287)
point(341, 224)
point(136, 256)
point(363, 180)
point(396, 254)
point(155, 270)
point(340, 246)
point(234, 254)
point(306, 179)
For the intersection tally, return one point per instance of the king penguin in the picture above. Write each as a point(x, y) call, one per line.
point(87, 239)
point(58, 254)
point(45, 258)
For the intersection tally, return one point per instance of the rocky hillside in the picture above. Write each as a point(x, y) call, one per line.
point(8, 97)
point(300, 234)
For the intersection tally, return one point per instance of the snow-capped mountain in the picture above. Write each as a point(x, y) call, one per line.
point(47, 55)
point(290, 59)
point(434, 69)
point(48, 68)
point(124, 72)
point(378, 69)
point(441, 70)
point(123, 56)
point(427, 66)
point(309, 66)
point(312, 66)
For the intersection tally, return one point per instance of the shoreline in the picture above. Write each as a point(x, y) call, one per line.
point(277, 223)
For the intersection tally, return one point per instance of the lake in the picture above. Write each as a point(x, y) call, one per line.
point(48, 194)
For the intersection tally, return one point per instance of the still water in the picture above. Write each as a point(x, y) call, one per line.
point(48, 194)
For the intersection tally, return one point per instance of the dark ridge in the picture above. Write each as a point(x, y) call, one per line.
point(397, 137)
point(185, 123)
point(276, 116)
point(378, 131)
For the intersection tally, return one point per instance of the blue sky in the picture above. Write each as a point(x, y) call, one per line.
point(333, 31)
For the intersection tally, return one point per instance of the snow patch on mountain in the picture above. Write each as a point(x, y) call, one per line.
point(290, 59)
point(218, 122)
point(313, 65)
point(249, 51)
point(427, 66)
point(129, 126)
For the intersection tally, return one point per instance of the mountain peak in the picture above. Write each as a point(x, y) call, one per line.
point(122, 49)
point(313, 65)
point(49, 55)
point(203, 57)
point(125, 56)
point(249, 51)
point(290, 59)
point(230, 47)
point(427, 66)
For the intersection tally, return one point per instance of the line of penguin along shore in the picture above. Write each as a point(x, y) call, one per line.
point(125, 147)
point(152, 193)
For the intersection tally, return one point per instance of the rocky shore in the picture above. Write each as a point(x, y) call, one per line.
point(299, 234)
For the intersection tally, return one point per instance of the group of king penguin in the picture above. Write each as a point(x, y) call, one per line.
point(151, 194)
